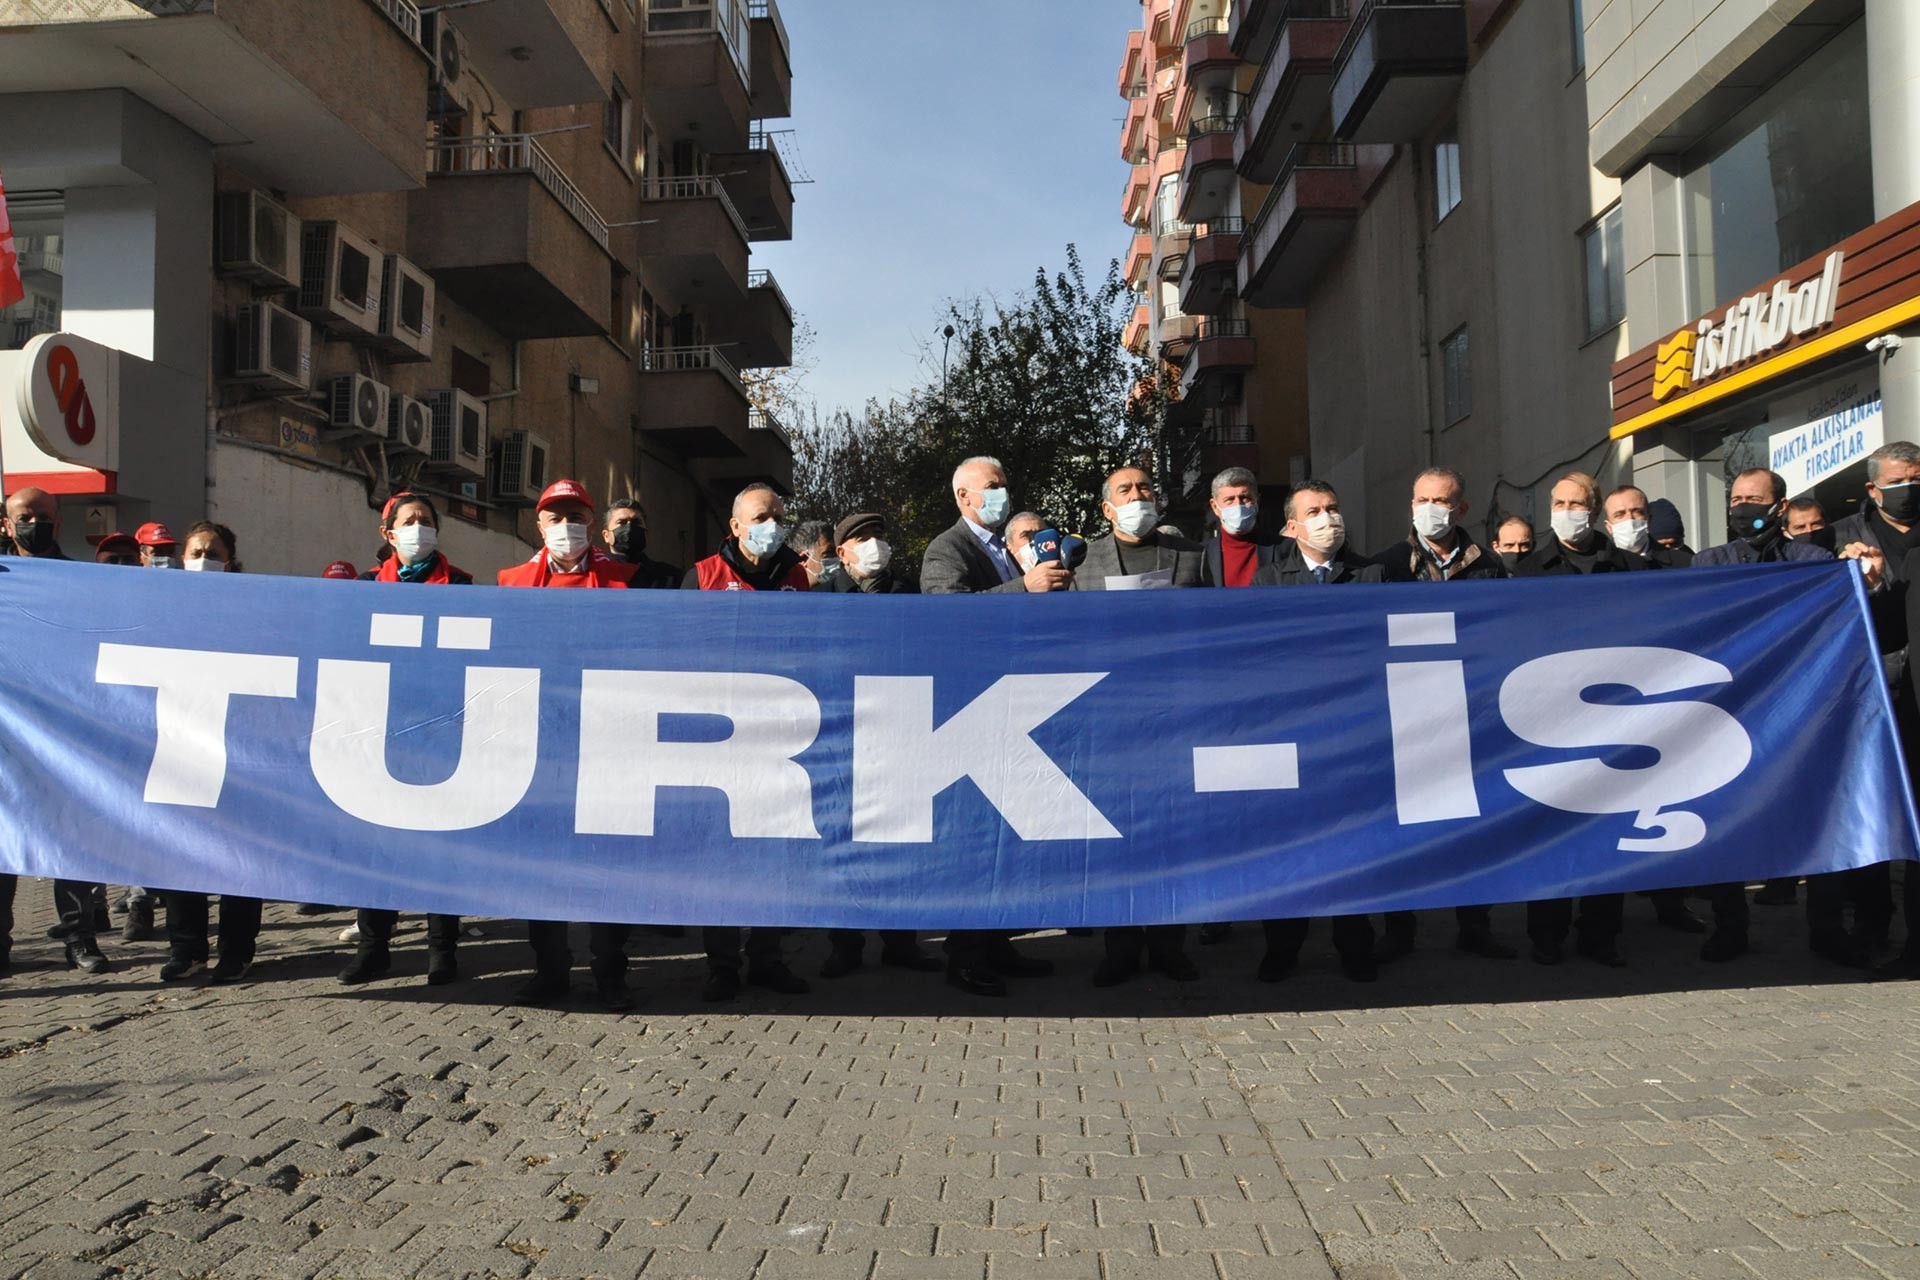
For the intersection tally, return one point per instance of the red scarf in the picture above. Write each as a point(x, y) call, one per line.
point(601, 570)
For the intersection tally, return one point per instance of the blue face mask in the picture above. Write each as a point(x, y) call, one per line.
point(1240, 518)
point(764, 539)
point(994, 504)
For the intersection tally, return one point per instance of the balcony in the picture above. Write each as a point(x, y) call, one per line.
point(1139, 326)
point(756, 181)
point(41, 257)
point(693, 241)
point(772, 63)
point(1133, 67)
point(508, 236)
point(534, 53)
point(1166, 79)
point(1252, 27)
point(1208, 178)
point(1308, 216)
point(768, 460)
point(1206, 52)
point(1133, 133)
point(1139, 259)
point(1290, 95)
point(762, 328)
point(1210, 279)
point(1176, 336)
point(242, 76)
point(1221, 349)
point(1134, 200)
point(699, 64)
point(1398, 69)
point(692, 399)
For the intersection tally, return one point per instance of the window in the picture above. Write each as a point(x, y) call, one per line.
point(1785, 180)
point(1456, 377)
point(1446, 173)
point(1166, 206)
point(39, 241)
point(1577, 11)
point(620, 311)
point(616, 125)
point(1602, 244)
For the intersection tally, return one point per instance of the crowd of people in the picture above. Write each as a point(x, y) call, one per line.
point(992, 548)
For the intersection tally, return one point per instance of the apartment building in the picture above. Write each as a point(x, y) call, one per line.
point(1769, 159)
point(302, 253)
point(1234, 373)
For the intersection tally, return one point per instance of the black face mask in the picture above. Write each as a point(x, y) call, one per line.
point(1901, 502)
point(1822, 538)
point(1512, 559)
point(630, 541)
point(1754, 521)
point(33, 537)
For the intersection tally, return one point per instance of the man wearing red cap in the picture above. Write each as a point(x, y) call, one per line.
point(158, 548)
point(564, 516)
point(116, 548)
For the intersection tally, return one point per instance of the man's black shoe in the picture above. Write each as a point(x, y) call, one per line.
point(1682, 921)
point(1009, 963)
point(442, 968)
point(1484, 945)
point(1603, 951)
point(777, 977)
point(1212, 935)
point(179, 969)
point(976, 982)
point(313, 909)
point(840, 963)
point(722, 985)
point(367, 964)
point(1175, 965)
point(1360, 967)
point(1841, 949)
point(1546, 953)
point(911, 957)
point(138, 926)
point(1111, 972)
point(613, 993)
point(1391, 948)
point(1721, 947)
point(228, 970)
point(85, 956)
point(1275, 966)
point(542, 988)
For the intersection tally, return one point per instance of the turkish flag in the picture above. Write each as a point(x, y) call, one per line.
point(11, 290)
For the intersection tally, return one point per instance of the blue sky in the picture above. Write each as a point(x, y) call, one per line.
point(954, 148)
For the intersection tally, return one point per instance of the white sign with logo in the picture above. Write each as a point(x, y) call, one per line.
point(60, 407)
point(1848, 428)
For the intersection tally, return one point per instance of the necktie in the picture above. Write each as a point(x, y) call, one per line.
point(1320, 574)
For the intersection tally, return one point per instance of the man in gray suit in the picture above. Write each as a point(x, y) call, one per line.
point(968, 559)
point(972, 556)
point(1135, 547)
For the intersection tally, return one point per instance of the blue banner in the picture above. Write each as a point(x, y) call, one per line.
point(942, 762)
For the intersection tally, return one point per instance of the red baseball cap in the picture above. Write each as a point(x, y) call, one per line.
point(564, 491)
point(340, 569)
point(115, 539)
point(155, 534)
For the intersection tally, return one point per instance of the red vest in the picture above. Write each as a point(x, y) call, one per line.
point(602, 571)
point(717, 575)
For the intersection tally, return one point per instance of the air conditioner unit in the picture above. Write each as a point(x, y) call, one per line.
point(459, 437)
point(448, 49)
point(340, 279)
point(520, 467)
point(259, 240)
point(273, 345)
point(356, 406)
point(409, 425)
point(406, 309)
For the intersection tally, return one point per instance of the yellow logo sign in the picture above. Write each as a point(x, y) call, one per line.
point(1673, 364)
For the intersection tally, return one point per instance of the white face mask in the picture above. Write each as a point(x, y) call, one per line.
point(1325, 533)
point(416, 542)
point(565, 540)
point(1630, 535)
point(1136, 518)
point(872, 556)
point(1240, 518)
point(1572, 525)
point(161, 562)
point(1432, 520)
point(204, 565)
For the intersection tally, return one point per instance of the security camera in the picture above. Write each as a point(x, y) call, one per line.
point(1887, 342)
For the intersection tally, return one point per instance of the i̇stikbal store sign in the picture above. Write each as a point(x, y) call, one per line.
point(60, 415)
point(1824, 308)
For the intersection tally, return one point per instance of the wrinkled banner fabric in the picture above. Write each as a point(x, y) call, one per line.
point(942, 762)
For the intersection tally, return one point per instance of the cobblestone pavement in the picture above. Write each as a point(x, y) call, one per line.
point(1484, 1118)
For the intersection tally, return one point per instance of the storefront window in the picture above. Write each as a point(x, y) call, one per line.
point(1785, 180)
point(38, 240)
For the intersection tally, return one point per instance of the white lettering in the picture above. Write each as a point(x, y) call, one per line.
point(190, 710)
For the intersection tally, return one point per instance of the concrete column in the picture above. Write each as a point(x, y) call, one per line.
point(1893, 99)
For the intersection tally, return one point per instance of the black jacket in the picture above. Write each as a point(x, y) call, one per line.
point(1410, 561)
point(1888, 606)
point(1680, 557)
point(1550, 560)
point(654, 575)
point(1267, 548)
point(883, 583)
point(1290, 569)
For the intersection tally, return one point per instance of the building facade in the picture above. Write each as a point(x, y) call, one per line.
point(1769, 159)
point(1234, 373)
point(328, 249)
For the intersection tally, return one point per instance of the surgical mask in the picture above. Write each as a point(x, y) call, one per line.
point(872, 556)
point(994, 507)
point(204, 565)
point(1326, 532)
point(1432, 520)
point(630, 541)
point(1512, 559)
point(1900, 502)
point(1239, 520)
point(565, 540)
point(416, 542)
point(161, 562)
point(763, 539)
point(1630, 535)
point(1572, 525)
point(35, 537)
point(1753, 521)
point(829, 568)
point(1136, 518)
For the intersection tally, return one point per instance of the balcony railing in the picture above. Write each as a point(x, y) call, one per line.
point(1201, 28)
point(1167, 62)
point(404, 14)
point(1313, 155)
point(1222, 116)
point(701, 188)
point(1216, 327)
point(1312, 9)
point(1365, 11)
point(1228, 432)
point(1136, 91)
point(763, 279)
point(770, 11)
point(518, 153)
point(726, 18)
point(762, 420)
point(691, 360)
point(1220, 227)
